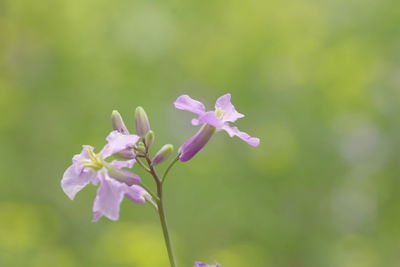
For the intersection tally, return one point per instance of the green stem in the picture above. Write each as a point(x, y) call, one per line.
point(142, 165)
point(163, 221)
point(161, 212)
point(169, 167)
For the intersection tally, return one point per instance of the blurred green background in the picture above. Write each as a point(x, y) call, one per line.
point(318, 82)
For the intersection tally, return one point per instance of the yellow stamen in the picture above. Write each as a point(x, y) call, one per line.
point(219, 113)
point(91, 154)
point(95, 162)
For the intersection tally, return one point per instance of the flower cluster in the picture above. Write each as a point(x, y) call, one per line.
point(109, 169)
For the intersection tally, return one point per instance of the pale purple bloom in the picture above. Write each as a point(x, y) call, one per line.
point(200, 264)
point(218, 119)
point(115, 182)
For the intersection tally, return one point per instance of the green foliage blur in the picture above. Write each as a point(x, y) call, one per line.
point(318, 82)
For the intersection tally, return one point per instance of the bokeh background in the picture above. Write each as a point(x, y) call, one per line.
point(319, 84)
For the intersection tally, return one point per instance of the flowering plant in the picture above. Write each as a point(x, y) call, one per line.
point(109, 168)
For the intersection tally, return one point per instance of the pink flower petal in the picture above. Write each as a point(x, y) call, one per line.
point(109, 197)
point(230, 113)
point(73, 182)
point(211, 119)
point(185, 102)
point(76, 176)
point(234, 131)
point(118, 142)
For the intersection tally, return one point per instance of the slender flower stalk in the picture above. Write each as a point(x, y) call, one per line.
point(169, 168)
point(161, 210)
point(163, 220)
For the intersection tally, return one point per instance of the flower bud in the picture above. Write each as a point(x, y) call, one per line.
point(118, 123)
point(192, 146)
point(123, 176)
point(163, 154)
point(140, 147)
point(141, 122)
point(149, 138)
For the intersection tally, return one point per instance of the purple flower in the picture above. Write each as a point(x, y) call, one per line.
point(218, 119)
point(115, 182)
point(200, 264)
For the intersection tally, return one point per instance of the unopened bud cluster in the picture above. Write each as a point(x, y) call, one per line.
point(146, 135)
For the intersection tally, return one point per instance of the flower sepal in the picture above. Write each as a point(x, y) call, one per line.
point(122, 175)
point(192, 146)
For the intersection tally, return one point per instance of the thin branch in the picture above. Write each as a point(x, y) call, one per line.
point(169, 168)
point(142, 164)
point(152, 170)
